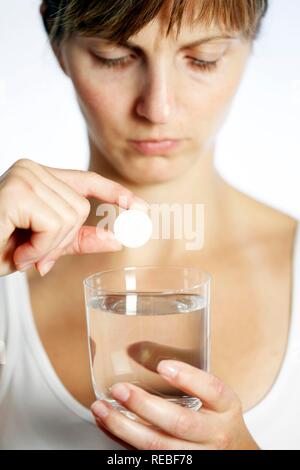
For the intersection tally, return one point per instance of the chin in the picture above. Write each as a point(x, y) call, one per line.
point(152, 170)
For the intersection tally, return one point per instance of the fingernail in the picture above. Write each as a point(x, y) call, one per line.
point(110, 236)
point(167, 369)
point(45, 268)
point(121, 392)
point(115, 245)
point(24, 267)
point(140, 204)
point(110, 240)
point(100, 409)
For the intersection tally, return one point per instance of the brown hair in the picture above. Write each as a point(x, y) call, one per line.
point(117, 20)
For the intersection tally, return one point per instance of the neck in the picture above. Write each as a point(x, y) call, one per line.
point(200, 184)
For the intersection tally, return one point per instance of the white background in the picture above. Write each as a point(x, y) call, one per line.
point(258, 150)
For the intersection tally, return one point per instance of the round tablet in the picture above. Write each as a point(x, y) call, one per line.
point(133, 228)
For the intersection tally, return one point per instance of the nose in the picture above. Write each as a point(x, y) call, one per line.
point(154, 102)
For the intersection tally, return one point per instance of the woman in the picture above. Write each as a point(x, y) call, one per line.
point(147, 71)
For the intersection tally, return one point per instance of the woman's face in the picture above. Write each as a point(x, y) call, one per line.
point(155, 88)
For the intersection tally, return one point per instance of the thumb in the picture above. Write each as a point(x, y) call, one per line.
point(92, 240)
point(87, 240)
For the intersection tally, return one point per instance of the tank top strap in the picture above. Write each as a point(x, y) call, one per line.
point(11, 321)
point(294, 336)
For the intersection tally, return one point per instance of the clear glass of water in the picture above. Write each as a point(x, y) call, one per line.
point(138, 316)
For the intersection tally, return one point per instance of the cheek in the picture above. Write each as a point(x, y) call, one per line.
point(206, 109)
point(210, 102)
point(101, 100)
point(212, 96)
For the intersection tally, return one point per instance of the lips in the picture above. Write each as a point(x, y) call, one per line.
point(155, 147)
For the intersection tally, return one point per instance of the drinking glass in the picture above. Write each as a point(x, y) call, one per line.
point(138, 316)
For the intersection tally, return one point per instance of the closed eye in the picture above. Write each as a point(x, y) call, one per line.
point(120, 62)
point(117, 62)
point(207, 66)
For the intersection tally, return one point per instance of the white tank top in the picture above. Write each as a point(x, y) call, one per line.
point(38, 412)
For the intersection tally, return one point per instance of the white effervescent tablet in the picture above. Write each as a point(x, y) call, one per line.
point(133, 228)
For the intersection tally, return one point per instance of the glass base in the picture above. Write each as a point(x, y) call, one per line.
point(184, 401)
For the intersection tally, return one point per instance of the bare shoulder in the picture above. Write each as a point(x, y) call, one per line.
point(276, 234)
point(263, 221)
point(266, 234)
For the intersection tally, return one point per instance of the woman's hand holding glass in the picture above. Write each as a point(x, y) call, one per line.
point(218, 425)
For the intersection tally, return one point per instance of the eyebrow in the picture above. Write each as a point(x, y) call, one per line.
point(135, 47)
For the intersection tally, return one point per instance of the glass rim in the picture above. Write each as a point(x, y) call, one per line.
point(206, 281)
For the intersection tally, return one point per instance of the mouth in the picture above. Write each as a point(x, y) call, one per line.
point(155, 147)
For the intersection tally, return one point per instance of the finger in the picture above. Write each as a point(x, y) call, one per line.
point(148, 354)
point(111, 436)
point(90, 184)
point(17, 237)
point(88, 240)
point(84, 242)
point(138, 435)
point(213, 393)
point(68, 214)
point(68, 194)
point(175, 420)
point(42, 220)
point(78, 240)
